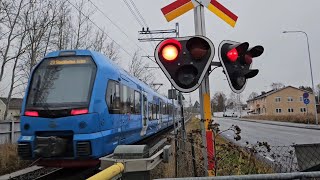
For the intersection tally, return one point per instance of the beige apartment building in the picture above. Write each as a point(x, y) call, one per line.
point(285, 101)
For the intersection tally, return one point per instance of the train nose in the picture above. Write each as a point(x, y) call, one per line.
point(50, 146)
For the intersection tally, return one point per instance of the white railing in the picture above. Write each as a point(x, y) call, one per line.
point(9, 131)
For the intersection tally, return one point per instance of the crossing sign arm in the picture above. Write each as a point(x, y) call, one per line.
point(180, 7)
point(176, 9)
point(222, 12)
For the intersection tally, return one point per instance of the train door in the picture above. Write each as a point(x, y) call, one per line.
point(144, 114)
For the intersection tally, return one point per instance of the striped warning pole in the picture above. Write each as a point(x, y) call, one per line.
point(204, 96)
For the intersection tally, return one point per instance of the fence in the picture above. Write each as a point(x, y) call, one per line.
point(9, 131)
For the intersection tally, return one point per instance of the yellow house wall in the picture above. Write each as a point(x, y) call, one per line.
point(284, 104)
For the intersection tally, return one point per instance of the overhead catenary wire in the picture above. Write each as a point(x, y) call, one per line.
point(133, 13)
point(119, 28)
point(138, 15)
point(123, 49)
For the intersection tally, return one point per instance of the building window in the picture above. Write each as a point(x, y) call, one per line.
point(278, 110)
point(278, 99)
point(301, 98)
point(303, 109)
point(290, 110)
point(290, 99)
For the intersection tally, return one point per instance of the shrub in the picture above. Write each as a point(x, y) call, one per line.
point(9, 159)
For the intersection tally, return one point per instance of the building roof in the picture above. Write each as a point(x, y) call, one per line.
point(15, 103)
point(274, 91)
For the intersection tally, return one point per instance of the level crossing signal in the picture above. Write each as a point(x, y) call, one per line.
point(236, 59)
point(185, 60)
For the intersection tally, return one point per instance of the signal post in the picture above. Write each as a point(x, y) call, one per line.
point(204, 97)
point(174, 10)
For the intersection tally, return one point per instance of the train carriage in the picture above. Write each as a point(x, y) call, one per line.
point(79, 106)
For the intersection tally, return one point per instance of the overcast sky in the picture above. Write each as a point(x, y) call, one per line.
point(260, 22)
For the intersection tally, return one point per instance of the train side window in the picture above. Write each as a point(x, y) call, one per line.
point(164, 109)
point(131, 100)
point(160, 109)
point(113, 97)
point(125, 108)
point(150, 111)
point(145, 105)
point(157, 112)
point(137, 102)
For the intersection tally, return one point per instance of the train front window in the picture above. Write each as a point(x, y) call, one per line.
point(62, 82)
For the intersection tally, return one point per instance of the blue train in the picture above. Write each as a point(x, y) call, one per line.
point(79, 106)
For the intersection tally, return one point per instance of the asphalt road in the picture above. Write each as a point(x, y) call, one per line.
point(273, 134)
point(280, 138)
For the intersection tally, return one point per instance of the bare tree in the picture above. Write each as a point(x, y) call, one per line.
point(253, 95)
point(10, 21)
point(100, 44)
point(276, 86)
point(39, 19)
point(62, 31)
point(218, 102)
point(16, 76)
point(138, 69)
point(82, 28)
point(232, 101)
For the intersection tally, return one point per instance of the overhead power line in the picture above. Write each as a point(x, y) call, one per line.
point(119, 28)
point(137, 10)
point(133, 13)
point(103, 30)
point(142, 22)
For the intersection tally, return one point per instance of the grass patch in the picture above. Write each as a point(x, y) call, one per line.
point(285, 118)
point(9, 159)
point(233, 160)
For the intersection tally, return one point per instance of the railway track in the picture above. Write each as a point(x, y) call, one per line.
point(28, 173)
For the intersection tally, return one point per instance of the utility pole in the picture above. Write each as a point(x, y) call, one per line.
point(204, 96)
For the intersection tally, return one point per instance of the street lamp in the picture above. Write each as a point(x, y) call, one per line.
point(315, 104)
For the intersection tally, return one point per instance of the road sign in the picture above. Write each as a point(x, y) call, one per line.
point(305, 95)
point(306, 101)
point(180, 7)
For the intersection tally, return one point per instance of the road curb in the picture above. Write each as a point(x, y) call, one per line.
point(270, 123)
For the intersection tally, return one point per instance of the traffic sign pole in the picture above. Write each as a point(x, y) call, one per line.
point(204, 96)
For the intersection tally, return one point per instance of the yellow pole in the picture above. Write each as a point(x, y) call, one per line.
point(108, 173)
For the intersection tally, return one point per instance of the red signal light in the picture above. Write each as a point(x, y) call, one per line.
point(170, 52)
point(233, 55)
point(170, 49)
point(31, 113)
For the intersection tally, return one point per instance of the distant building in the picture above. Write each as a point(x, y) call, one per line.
point(14, 108)
point(284, 101)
